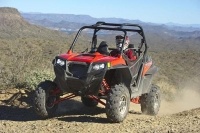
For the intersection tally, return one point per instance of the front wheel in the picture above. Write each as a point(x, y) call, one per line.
point(118, 102)
point(44, 99)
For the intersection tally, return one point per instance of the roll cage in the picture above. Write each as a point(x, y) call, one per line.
point(124, 27)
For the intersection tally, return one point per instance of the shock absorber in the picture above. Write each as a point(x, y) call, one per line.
point(105, 86)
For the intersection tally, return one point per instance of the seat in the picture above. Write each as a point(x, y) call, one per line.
point(103, 48)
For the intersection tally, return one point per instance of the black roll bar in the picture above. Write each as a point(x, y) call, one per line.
point(124, 27)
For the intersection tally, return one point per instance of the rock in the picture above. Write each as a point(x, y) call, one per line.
point(22, 91)
point(2, 91)
point(24, 104)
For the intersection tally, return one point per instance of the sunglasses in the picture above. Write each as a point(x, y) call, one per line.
point(119, 37)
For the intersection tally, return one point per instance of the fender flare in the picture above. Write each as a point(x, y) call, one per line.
point(153, 70)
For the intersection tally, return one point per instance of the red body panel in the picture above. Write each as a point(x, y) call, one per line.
point(95, 57)
point(146, 67)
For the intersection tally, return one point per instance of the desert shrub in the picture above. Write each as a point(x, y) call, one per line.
point(17, 59)
point(35, 77)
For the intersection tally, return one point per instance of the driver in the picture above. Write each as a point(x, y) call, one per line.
point(130, 53)
point(119, 40)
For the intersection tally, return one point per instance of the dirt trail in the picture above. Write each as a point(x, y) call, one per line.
point(74, 117)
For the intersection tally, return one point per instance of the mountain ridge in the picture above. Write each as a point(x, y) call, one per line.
point(77, 18)
point(80, 20)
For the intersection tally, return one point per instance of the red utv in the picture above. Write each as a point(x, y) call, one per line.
point(96, 76)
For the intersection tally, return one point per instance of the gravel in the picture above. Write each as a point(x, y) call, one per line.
point(73, 117)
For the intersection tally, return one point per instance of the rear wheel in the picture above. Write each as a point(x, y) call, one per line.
point(143, 103)
point(118, 102)
point(150, 103)
point(44, 99)
point(89, 102)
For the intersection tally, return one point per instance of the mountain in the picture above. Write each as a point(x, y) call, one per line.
point(25, 48)
point(183, 26)
point(86, 19)
point(13, 25)
point(73, 18)
point(159, 36)
point(56, 18)
point(68, 22)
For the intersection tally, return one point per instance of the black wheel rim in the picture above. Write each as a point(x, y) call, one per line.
point(50, 102)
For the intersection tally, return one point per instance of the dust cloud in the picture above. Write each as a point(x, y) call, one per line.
point(187, 98)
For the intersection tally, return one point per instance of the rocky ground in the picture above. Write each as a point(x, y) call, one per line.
point(17, 115)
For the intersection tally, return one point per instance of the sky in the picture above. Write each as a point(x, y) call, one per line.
point(155, 11)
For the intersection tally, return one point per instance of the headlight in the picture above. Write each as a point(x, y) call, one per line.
point(60, 62)
point(98, 66)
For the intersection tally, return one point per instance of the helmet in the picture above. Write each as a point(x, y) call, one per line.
point(119, 40)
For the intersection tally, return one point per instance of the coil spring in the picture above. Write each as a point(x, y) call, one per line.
point(105, 85)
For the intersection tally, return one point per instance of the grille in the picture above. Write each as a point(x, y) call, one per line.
point(78, 70)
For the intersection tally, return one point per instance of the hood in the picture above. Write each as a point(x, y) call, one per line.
point(88, 58)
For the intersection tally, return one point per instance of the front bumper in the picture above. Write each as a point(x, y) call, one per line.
point(78, 78)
